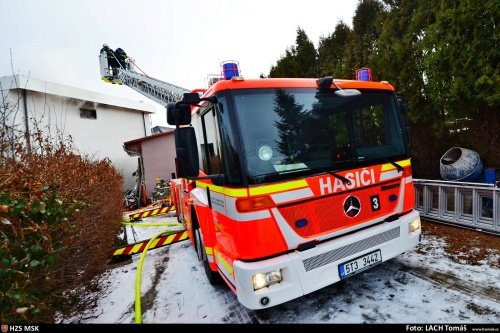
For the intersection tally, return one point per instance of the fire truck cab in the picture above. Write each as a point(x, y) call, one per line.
point(289, 185)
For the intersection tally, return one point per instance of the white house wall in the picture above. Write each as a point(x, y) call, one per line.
point(98, 138)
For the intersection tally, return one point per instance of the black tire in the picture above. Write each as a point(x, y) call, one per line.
point(213, 277)
point(198, 243)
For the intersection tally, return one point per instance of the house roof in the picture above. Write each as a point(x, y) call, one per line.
point(34, 84)
point(160, 129)
point(134, 147)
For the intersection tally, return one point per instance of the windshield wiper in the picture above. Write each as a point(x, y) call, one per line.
point(398, 167)
point(334, 174)
point(342, 178)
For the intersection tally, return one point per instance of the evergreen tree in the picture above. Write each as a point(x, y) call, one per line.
point(306, 55)
point(463, 56)
point(331, 51)
point(286, 65)
point(442, 57)
point(399, 55)
point(299, 60)
point(363, 40)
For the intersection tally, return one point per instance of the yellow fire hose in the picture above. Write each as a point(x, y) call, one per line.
point(138, 310)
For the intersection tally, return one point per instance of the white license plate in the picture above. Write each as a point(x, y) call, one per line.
point(360, 264)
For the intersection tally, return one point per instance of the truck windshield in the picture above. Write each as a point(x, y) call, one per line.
point(288, 132)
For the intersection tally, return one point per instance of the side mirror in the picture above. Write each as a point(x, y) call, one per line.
point(178, 114)
point(187, 152)
point(191, 98)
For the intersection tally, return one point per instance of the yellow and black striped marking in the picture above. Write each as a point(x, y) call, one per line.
point(151, 212)
point(159, 242)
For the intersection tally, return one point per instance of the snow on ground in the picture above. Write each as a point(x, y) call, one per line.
point(421, 286)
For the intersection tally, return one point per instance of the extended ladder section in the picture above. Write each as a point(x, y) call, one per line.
point(120, 72)
point(159, 91)
point(472, 205)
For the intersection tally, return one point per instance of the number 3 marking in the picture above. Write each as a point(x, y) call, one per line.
point(375, 201)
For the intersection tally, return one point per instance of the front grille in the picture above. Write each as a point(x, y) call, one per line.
point(345, 251)
point(326, 214)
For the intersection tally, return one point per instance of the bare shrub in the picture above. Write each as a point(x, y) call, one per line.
point(59, 220)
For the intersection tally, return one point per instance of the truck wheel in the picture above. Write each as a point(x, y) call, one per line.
point(198, 244)
point(213, 277)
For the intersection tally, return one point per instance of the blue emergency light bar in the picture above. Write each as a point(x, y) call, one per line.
point(230, 68)
point(364, 74)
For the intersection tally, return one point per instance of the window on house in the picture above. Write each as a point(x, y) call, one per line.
point(88, 114)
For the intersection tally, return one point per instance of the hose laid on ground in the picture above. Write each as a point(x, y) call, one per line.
point(138, 310)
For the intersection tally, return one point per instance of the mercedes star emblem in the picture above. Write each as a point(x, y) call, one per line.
point(352, 206)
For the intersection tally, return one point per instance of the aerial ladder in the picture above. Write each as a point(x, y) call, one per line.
point(118, 68)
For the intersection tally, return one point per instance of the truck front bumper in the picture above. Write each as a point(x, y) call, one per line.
point(315, 268)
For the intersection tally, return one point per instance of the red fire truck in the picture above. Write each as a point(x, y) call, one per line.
point(286, 185)
point(289, 185)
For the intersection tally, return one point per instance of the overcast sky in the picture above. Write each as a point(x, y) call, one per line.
point(177, 41)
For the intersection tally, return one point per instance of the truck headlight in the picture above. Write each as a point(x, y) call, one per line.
point(262, 280)
point(414, 226)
